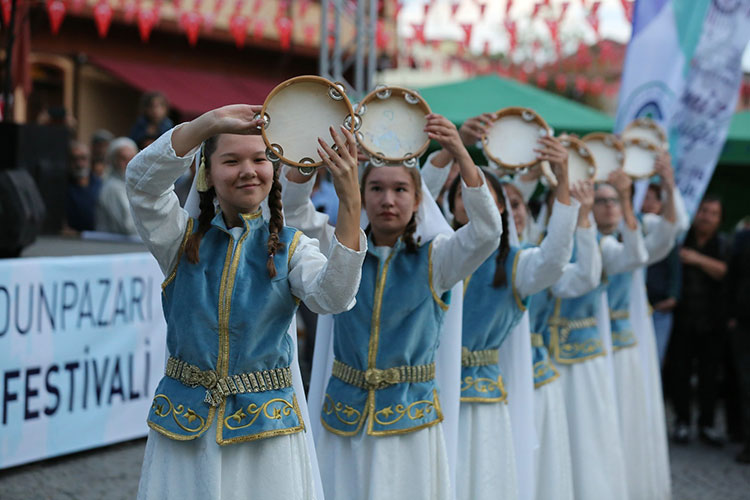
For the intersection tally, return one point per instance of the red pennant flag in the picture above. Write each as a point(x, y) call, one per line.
point(468, 28)
point(418, 31)
point(542, 79)
point(454, 8)
point(581, 84)
point(238, 28)
point(537, 7)
point(564, 9)
point(146, 21)
point(595, 7)
point(56, 12)
point(561, 82)
point(512, 29)
point(381, 37)
point(256, 6)
point(310, 31)
point(508, 6)
point(482, 8)
point(102, 17)
point(552, 25)
point(191, 23)
point(258, 29)
point(427, 9)
point(627, 6)
point(397, 6)
point(284, 26)
point(7, 8)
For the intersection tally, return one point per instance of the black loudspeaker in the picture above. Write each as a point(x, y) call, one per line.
point(43, 152)
point(22, 211)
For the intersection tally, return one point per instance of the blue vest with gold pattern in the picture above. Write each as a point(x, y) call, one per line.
point(489, 314)
point(393, 330)
point(225, 317)
point(541, 305)
point(618, 295)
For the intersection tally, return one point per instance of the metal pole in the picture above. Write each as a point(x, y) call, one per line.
point(324, 67)
point(337, 71)
point(372, 49)
point(7, 88)
point(361, 39)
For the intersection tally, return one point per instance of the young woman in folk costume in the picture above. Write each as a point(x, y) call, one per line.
point(495, 297)
point(382, 435)
point(641, 415)
point(226, 420)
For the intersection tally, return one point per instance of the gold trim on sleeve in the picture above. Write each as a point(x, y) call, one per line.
point(516, 295)
point(293, 246)
point(435, 296)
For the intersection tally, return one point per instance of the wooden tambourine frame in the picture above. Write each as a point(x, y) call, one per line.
point(647, 130)
point(607, 151)
point(639, 151)
point(296, 113)
point(390, 128)
point(581, 162)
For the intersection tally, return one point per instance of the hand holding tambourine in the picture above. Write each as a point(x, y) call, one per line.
point(552, 151)
point(473, 129)
point(622, 183)
point(237, 119)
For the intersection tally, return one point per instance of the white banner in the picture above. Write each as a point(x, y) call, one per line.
point(82, 342)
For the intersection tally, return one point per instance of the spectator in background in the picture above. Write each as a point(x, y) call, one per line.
point(83, 190)
point(699, 331)
point(663, 280)
point(113, 209)
point(738, 314)
point(99, 144)
point(153, 120)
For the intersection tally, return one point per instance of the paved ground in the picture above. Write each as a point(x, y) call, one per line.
point(699, 473)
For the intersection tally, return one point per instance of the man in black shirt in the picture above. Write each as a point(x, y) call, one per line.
point(699, 335)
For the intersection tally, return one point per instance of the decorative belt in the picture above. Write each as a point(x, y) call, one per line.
point(375, 378)
point(619, 314)
point(479, 358)
point(217, 389)
point(573, 324)
point(537, 340)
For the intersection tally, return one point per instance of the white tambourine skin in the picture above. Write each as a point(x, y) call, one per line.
point(608, 153)
point(640, 158)
point(647, 130)
point(511, 139)
point(392, 125)
point(581, 162)
point(299, 111)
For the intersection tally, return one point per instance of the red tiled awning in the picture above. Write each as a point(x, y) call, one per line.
point(191, 92)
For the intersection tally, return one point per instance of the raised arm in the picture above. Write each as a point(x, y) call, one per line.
point(619, 257)
point(436, 170)
point(459, 255)
point(540, 267)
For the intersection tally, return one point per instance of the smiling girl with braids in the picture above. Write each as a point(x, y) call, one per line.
point(495, 297)
point(382, 414)
point(233, 286)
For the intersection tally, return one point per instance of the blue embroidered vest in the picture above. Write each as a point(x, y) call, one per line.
point(572, 335)
point(394, 328)
point(489, 314)
point(541, 305)
point(618, 295)
point(225, 316)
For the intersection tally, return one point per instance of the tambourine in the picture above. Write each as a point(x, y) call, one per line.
point(581, 163)
point(608, 152)
point(640, 158)
point(299, 111)
point(391, 129)
point(647, 130)
point(512, 137)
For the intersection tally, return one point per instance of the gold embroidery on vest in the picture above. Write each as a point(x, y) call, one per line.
point(351, 416)
point(412, 412)
point(177, 412)
point(254, 411)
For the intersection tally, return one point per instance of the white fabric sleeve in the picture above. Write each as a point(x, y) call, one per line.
point(681, 214)
point(660, 237)
point(583, 275)
point(540, 267)
point(299, 211)
point(619, 257)
point(157, 214)
point(435, 177)
point(457, 256)
point(326, 285)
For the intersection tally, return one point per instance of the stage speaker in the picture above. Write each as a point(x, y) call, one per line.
point(43, 152)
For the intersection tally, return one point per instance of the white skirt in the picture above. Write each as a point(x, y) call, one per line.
point(657, 425)
point(634, 423)
point(271, 468)
point(410, 466)
point(593, 430)
point(554, 475)
point(486, 458)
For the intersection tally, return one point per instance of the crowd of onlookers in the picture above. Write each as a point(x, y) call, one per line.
point(96, 198)
point(700, 296)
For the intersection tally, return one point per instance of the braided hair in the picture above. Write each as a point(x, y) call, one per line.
point(500, 279)
point(207, 213)
point(411, 227)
